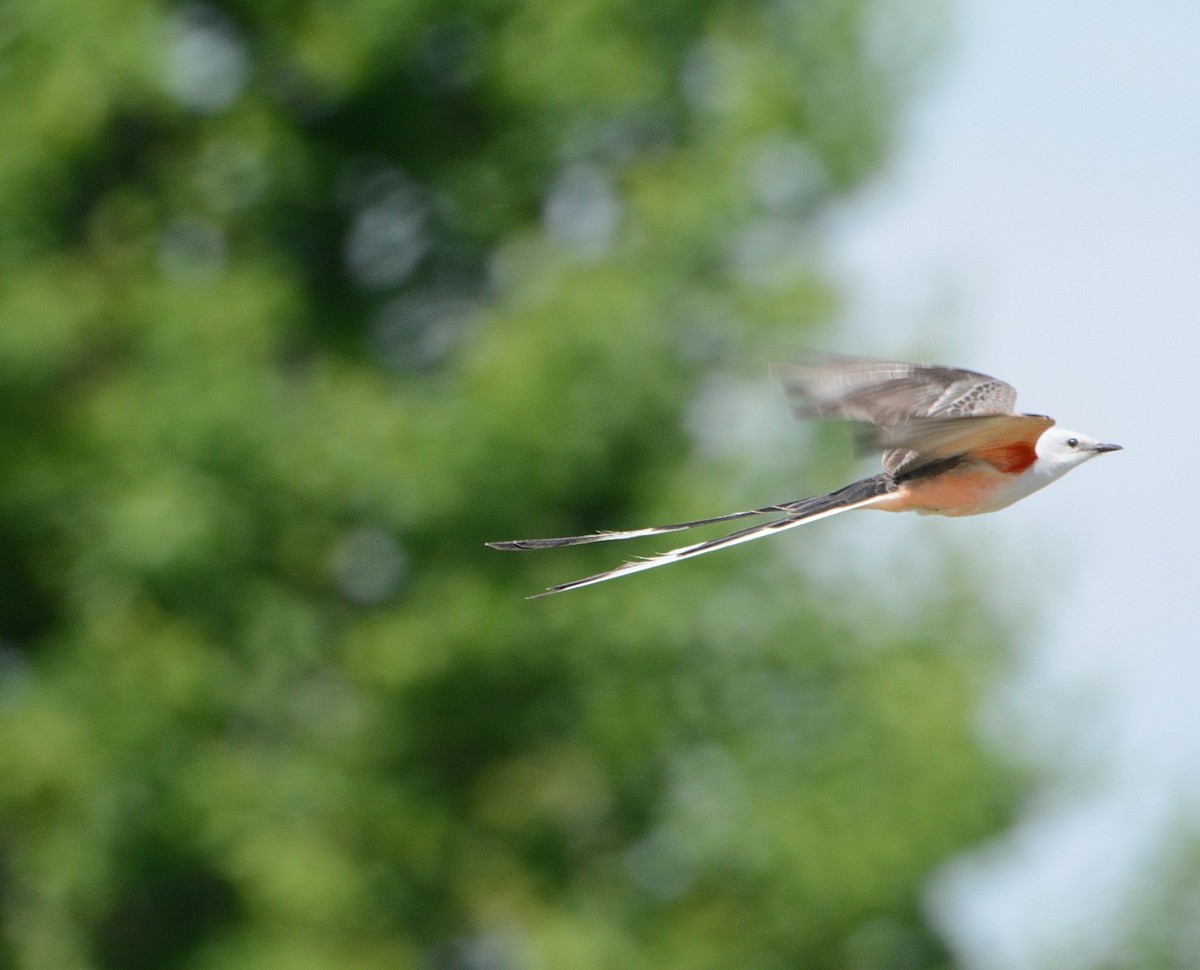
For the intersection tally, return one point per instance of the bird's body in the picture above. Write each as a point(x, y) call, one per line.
point(952, 445)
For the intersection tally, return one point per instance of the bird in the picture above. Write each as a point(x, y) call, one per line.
point(951, 442)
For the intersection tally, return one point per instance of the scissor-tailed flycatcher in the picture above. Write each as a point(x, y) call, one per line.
point(952, 445)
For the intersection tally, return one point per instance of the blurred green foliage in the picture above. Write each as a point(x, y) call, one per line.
point(301, 303)
point(1158, 929)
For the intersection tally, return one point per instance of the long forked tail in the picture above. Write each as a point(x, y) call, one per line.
point(869, 491)
point(514, 545)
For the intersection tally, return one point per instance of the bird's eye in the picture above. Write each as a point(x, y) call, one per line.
point(1072, 442)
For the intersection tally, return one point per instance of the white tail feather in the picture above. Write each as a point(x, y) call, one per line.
point(712, 545)
point(514, 545)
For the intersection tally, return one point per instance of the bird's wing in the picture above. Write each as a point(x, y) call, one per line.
point(887, 392)
point(1008, 441)
point(890, 394)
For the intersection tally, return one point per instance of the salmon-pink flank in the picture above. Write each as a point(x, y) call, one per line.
point(1012, 459)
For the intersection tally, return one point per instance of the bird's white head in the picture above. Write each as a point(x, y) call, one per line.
point(1060, 450)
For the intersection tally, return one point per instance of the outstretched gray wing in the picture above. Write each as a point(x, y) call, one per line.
point(890, 394)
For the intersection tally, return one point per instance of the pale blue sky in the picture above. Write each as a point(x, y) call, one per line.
point(1043, 220)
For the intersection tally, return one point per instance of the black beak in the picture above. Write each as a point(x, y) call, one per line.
point(1101, 448)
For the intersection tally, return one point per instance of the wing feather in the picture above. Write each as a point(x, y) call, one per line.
point(1001, 438)
point(886, 393)
point(891, 394)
